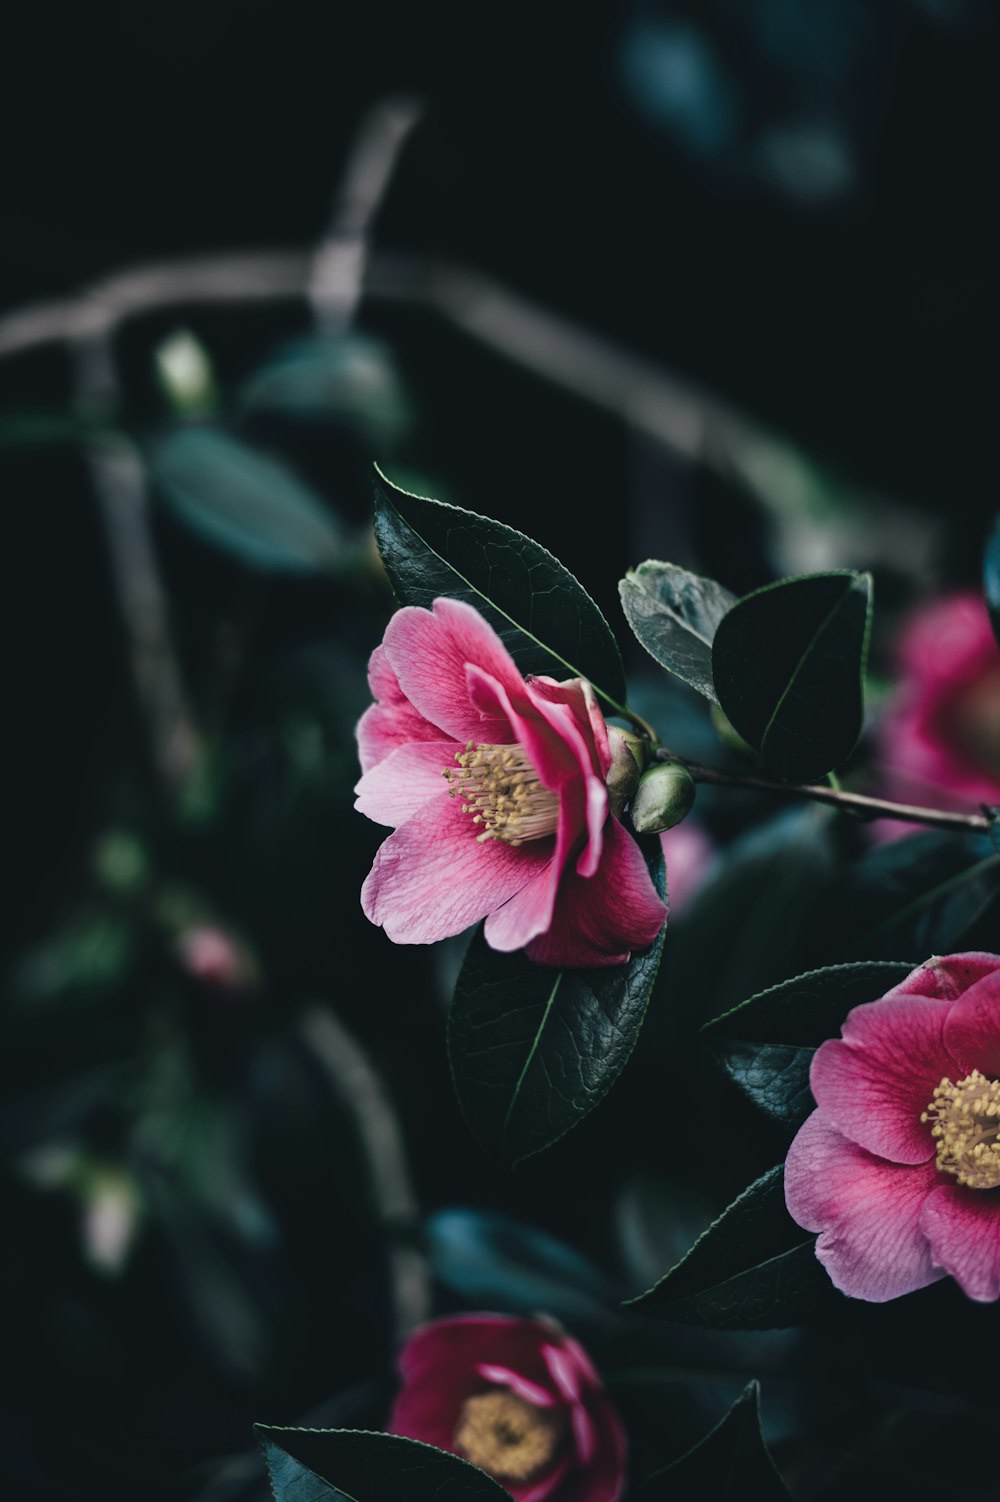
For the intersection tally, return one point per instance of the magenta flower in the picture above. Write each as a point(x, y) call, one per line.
point(939, 741)
point(898, 1167)
point(519, 1399)
point(495, 788)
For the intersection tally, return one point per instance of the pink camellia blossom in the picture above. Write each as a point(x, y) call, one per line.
point(495, 787)
point(939, 740)
point(519, 1399)
point(898, 1167)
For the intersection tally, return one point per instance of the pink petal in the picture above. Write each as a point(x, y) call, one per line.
point(947, 976)
point(963, 1228)
point(392, 721)
point(563, 1371)
point(580, 696)
point(603, 1477)
point(502, 1376)
point(599, 920)
point(867, 1211)
point(528, 913)
point(874, 1085)
point(430, 652)
point(401, 783)
point(433, 878)
point(972, 1027)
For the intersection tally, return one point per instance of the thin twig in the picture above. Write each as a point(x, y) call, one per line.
point(858, 803)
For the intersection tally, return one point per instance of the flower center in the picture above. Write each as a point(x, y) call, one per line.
point(500, 789)
point(966, 1121)
point(508, 1437)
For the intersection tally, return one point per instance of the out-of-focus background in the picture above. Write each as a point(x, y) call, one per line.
point(704, 283)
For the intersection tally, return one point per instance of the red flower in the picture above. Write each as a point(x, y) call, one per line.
point(519, 1399)
point(495, 787)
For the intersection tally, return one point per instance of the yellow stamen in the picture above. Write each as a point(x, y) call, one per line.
point(507, 1436)
point(966, 1119)
point(502, 791)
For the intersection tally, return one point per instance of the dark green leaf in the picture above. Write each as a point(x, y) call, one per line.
point(753, 1269)
point(766, 1044)
point(495, 1262)
point(675, 614)
point(732, 1464)
point(247, 504)
point(367, 1467)
point(545, 618)
point(991, 577)
point(788, 663)
point(533, 1050)
point(919, 895)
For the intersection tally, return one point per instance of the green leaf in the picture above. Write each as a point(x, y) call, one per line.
point(368, 1467)
point(675, 615)
point(247, 504)
point(533, 1050)
point(788, 663)
point(544, 617)
point(753, 1269)
point(732, 1464)
point(766, 1044)
point(925, 893)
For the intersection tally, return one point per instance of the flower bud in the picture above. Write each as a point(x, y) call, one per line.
point(628, 757)
point(663, 798)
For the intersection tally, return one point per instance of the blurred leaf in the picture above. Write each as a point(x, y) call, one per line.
point(533, 1050)
point(369, 1468)
point(788, 662)
point(766, 1044)
point(917, 895)
point(991, 576)
point(352, 380)
point(545, 618)
point(495, 1262)
point(674, 614)
point(248, 504)
point(753, 1269)
point(732, 1464)
point(37, 428)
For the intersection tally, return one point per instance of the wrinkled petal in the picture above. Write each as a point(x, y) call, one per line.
point(866, 1210)
point(430, 650)
point(599, 920)
point(403, 782)
point(962, 1227)
point(392, 721)
point(947, 976)
point(972, 1027)
point(873, 1085)
point(527, 914)
point(433, 878)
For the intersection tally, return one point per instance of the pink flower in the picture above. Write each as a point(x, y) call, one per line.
point(519, 1399)
point(689, 853)
point(939, 740)
point(898, 1167)
point(495, 787)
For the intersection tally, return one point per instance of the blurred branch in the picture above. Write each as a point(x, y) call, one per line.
point(356, 1082)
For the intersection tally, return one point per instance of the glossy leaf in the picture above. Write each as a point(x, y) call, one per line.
point(732, 1464)
point(545, 618)
point(767, 1043)
point(675, 614)
point(247, 504)
point(788, 664)
point(533, 1049)
point(356, 1465)
point(753, 1269)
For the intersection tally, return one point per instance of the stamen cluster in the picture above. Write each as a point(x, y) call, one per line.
point(966, 1119)
point(500, 788)
point(508, 1437)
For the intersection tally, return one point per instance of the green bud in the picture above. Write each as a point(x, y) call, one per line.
point(185, 373)
point(663, 798)
point(628, 757)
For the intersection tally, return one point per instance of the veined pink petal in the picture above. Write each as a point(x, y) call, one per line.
point(599, 920)
point(972, 1027)
point(947, 976)
point(528, 913)
point(874, 1084)
point(578, 695)
point(433, 878)
point(867, 1211)
point(392, 721)
point(403, 782)
point(430, 650)
point(962, 1227)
